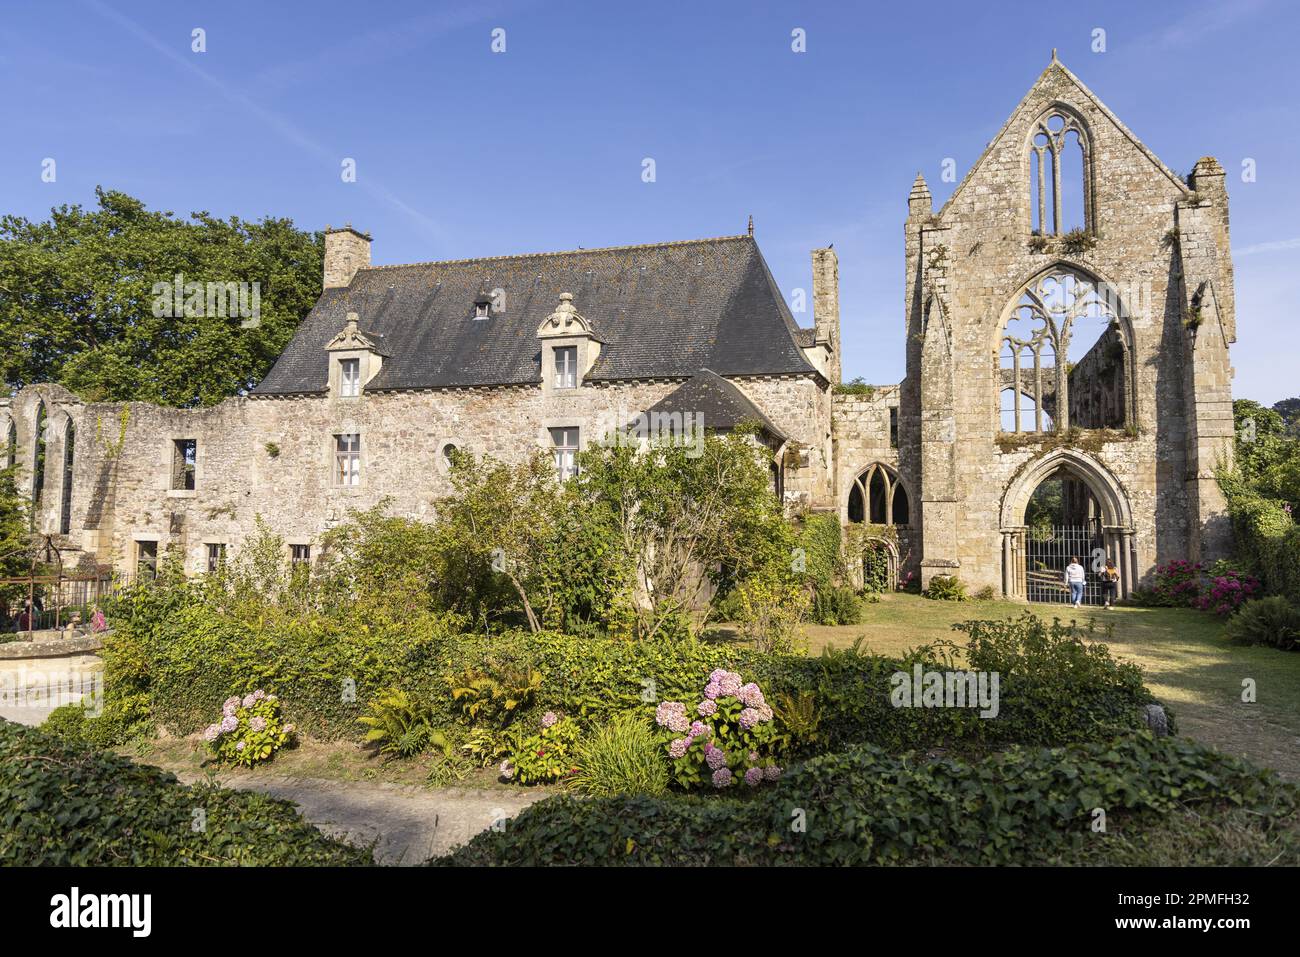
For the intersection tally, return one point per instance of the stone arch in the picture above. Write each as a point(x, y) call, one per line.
point(1044, 148)
point(1103, 298)
point(878, 491)
point(1116, 514)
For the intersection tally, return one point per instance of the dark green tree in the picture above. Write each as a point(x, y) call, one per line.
point(82, 301)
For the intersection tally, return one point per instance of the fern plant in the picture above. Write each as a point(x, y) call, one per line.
point(495, 700)
point(400, 727)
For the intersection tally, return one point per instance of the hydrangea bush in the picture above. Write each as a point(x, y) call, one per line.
point(1226, 592)
point(546, 755)
point(250, 730)
point(726, 738)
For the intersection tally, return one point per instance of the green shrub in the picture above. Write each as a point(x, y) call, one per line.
point(622, 757)
point(836, 605)
point(249, 731)
point(946, 588)
point(63, 804)
point(820, 537)
point(1270, 621)
point(865, 806)
point(67, 722)
point(400, 727)
point(544, 755)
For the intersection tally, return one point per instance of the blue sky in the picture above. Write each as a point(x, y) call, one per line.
point(464, 152)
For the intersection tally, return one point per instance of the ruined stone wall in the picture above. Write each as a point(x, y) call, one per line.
point(969, 262)
point(274, 457)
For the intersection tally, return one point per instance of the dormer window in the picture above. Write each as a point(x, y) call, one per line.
point(483, 306)
point(349, 377)
point(566, 367)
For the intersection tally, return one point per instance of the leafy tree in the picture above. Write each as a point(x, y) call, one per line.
point(1268, 457)
point(1289, 409)
point(501, 517)
point(685, 516)
point(15, 558)
point(78, 300)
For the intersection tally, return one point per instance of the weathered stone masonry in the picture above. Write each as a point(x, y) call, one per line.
point(466, 354)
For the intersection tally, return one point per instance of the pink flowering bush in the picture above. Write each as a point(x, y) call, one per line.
point(250, 730)
point(1227, 592)
point(727, 738)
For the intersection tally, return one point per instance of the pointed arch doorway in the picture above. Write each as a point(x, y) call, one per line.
point(1065, 505)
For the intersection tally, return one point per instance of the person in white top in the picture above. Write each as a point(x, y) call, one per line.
point(1074, 578)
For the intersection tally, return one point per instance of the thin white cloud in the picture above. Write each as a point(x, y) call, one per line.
point(275, 121)
point(1275, 246)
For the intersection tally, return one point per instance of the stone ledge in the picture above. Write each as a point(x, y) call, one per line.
point(51, 647)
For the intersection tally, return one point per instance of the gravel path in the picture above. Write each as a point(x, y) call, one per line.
point(406, 824)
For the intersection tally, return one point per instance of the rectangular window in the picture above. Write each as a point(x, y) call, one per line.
point(566, 367)
point(349, 377)
point(893, 426)
point(184, 455)
point(146, 559)
point(300, 554)
point(565, 448)
point(347, 460)
point(216, 557)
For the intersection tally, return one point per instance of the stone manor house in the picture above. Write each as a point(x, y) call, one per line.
point(1068, 316)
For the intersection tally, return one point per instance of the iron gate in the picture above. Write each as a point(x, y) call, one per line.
point(1048, 549)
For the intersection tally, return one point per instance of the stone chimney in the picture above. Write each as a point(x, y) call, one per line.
point(346, 251)
point(826, 306)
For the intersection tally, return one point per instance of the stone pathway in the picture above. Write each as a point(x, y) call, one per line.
point(406, 824)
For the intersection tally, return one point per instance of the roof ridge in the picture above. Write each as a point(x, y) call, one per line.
point(559, 252)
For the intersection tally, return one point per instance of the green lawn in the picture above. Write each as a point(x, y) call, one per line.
point(1187, 662)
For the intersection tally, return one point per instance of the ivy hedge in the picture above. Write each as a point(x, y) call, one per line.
point(176, 664)
point(67, 804)
point(1267, 540)
point(865, 806)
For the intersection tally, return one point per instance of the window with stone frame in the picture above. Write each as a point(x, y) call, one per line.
point(893, 426)
point(65, 500)
point(184, 459)
point(300, 554)
point(146, 559)
point(878, 497)
point(350, 378)
point(216, 556)
point(347, 460)
point(38, 458)
point(1060, 184)
point(564, 446)
point(1064, 357)
point(566, 367)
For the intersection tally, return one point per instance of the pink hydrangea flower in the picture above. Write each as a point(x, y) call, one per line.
point(730, 684)
point(707, 708)
point(229, 723)
point(249, 701)
point(507, 770)
point(257, 723)
point(672, 715)
point(753, 757)
point(210, 732)
point(677, 749)
point(715, 757)
point(751, 695)
point(259, 694)
point(722, 778)
point(240, 746)
point(754, 777)
point(699, 729)
point(549, 719)
point(712, 690)
point(287, 729)
point(749, 717)
point(771, 772)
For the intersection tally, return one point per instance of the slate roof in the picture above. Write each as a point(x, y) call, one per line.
point(661, 311)
point(718, 403)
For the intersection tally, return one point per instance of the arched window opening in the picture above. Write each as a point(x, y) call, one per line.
point(38, 459)
point(11, 444)
point(878, 498)
point(1059, 189)
point(1063, 359)
point(69, 451)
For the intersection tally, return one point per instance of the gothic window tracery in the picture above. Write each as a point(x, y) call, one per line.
point(1059, 168)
